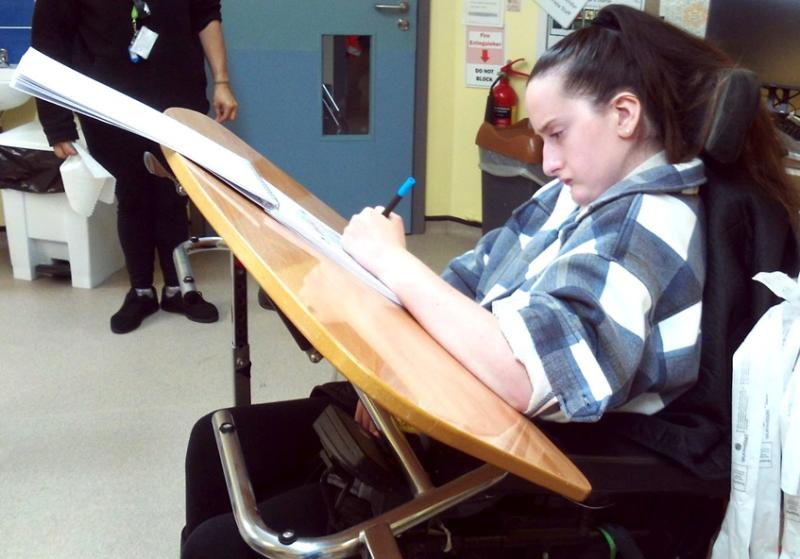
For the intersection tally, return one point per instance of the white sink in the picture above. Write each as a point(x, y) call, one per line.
point(9, 98)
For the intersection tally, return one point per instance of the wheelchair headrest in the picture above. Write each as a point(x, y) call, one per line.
point(737, 101)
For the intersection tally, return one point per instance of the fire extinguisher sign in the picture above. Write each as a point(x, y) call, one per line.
point(485, 55)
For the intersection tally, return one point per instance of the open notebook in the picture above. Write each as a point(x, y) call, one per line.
point(47, 79)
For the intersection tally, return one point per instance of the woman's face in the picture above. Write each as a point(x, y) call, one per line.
point(585, 145)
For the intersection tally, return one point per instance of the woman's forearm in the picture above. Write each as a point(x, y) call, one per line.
point(213, 43)
point(465, 329)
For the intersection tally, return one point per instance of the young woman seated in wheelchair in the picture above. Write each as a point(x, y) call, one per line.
point(588, 300)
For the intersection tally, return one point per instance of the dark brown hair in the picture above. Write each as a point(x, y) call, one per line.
point(675, 75)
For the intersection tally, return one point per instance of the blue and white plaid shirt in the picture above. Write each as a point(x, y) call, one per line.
point(601, 304)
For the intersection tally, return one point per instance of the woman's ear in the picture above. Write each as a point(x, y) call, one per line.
point(627, 114)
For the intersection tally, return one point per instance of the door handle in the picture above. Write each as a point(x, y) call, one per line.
point(400, 8)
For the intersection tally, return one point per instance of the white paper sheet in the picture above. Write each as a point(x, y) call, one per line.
point(43, 77)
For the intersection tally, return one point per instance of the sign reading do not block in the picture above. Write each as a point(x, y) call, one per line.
point(485, 55)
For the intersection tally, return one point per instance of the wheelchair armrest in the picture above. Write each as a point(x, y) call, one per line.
point(643, 471)
point(615, 465)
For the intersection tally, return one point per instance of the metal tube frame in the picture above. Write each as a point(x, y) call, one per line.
point(416, 475)
point(240, 344)
point(182, 252)
point(370, 533)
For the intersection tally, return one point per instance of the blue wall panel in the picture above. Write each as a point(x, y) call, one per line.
point(15, 22)
point(16, 42)
point(16, 13)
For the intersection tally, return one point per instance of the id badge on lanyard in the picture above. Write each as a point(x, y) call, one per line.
point(143, 37)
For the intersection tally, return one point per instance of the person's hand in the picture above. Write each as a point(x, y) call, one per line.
point(225, 104)
point(64, 149)
point(372, 239)
point(363, 419)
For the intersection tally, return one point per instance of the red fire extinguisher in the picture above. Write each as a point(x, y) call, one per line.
point(504, 98)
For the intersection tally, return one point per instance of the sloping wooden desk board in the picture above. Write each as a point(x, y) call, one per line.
point(376, 344)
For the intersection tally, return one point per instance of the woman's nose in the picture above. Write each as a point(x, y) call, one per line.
point(551, 161)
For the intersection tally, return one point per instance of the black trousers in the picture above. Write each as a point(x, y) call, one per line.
point(151, 215)
point(281, 452)
point(282, 456)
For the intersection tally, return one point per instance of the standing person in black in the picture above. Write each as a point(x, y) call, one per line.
point(96, 37)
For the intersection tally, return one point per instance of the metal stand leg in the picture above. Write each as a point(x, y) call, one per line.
point(241, 346)
point(417, 477)
point(379, 543)
point(182, 252)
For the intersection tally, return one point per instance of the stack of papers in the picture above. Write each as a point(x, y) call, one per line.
point(48, 79)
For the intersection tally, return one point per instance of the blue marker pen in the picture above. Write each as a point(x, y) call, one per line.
point(402, 191)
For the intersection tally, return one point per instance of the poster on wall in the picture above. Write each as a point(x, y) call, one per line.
point(551, 31)
point(488, 13)
point(690, 15)
point(485, 55)
point(563, 11)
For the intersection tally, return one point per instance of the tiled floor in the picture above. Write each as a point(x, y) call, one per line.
point(94, 425)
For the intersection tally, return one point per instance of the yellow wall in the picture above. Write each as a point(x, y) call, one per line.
point(455, 111)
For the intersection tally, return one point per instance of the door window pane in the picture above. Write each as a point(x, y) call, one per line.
point(345, 84)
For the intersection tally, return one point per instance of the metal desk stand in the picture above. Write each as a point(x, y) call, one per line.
point(375, 537)
point(241, 344)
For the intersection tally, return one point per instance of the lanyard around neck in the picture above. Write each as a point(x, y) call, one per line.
point(139, 10)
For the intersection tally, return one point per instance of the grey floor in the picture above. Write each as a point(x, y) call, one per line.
point(94, 425)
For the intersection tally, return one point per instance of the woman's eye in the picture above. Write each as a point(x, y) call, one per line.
point(555, 135)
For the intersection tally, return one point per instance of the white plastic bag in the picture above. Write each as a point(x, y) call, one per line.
point(86, 182)
point(765, 448)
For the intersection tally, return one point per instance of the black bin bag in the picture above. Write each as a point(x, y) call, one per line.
point(30, 170)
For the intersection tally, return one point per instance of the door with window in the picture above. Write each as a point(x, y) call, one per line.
point(326, 91)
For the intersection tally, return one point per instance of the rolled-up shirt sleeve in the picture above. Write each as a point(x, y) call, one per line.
point(575, 351)
point(204, 12)
point(614, 320)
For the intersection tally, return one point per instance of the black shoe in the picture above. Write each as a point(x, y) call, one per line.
point(192, 305)
point(171, 303)
point(133, 310)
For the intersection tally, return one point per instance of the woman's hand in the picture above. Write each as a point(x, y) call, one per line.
point(363, 419)
point(373, 240)
point(64, 149)
point(225, 104)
